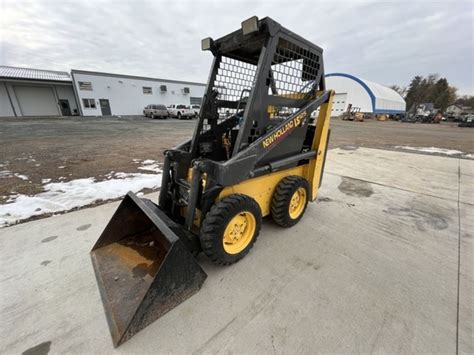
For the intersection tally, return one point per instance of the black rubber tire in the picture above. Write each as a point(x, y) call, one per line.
point(215, 223)
point(282, 197)
point(179, 115)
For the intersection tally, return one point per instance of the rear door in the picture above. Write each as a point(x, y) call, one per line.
point(339, 105)
point(65, 108)
point(105, 107)
point(162, 111)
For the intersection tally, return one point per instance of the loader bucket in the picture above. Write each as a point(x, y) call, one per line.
point(142, 267)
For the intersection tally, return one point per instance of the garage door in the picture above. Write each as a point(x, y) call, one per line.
point(339, 104)
point(36, 101)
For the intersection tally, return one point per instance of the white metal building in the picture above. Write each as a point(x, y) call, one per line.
point(115, 94)
point(366, 95)
point(35, 92)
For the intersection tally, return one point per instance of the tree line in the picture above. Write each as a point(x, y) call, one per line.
point(433, 89)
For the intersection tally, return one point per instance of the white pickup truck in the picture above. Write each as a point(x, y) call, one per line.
point(180, 112)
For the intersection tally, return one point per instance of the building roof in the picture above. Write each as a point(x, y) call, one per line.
point(95, 73)
point(428, 105)
point(376, 91)
point(461, 107)
point(33, 74)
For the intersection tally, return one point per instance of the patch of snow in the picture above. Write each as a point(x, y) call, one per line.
point(37, 164)
point(45, 181)
point(23, 177)
point(61, 167)
point(12, 198)
point(64, 196)
point(5, 174)
point(469, 156)
point(150, 165)
point(431, 150)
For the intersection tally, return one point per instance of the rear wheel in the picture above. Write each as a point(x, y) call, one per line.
point(289, 201)
point(230, 229)
point(179, 115)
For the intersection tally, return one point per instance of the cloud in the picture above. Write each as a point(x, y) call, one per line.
point(381, 41)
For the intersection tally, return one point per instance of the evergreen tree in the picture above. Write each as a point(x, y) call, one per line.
point(430, 89)
point(412, 96)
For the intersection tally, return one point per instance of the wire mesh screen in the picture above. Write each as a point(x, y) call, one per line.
point(233, 82)
point(233, 77)
point(294, 70)
point(294, 74)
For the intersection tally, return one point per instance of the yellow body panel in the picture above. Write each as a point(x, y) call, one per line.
point(261, 188)
point(320, 141)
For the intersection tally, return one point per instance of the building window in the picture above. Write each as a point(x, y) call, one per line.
point(186, 90)
point(88, 103)
point(163, 88)
point(147, 90)
point(195, 100)
point(85, 85)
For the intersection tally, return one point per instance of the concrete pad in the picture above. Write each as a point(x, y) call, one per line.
point(421, 173)
point(372, 267)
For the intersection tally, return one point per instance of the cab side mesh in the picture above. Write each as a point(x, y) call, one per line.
point(234, 76)
point(295, 73)
point(294, 70)
point(233, 82)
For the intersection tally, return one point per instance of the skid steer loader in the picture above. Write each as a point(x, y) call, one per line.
point(254, 153)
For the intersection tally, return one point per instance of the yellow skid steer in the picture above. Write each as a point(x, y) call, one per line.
point(258, 150)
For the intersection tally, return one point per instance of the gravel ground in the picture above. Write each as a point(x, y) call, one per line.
point(61, 149)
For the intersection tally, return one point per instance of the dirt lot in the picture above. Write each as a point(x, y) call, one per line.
point(66, 149)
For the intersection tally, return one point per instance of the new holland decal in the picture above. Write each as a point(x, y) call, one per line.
point(285, 130)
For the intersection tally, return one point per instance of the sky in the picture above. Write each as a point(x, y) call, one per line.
point(385, 42)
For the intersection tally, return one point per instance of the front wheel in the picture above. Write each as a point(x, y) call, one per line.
point(230, 229)
point(179, 115)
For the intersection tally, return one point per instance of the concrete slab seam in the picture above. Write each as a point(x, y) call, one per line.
point(459, 257)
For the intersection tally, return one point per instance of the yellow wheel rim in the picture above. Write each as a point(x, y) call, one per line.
point(239, 232)
point(297, 203)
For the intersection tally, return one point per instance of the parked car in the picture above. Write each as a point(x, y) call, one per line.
point(468, 121)
point(180, 112)
point(196, 109)
point(156, 111)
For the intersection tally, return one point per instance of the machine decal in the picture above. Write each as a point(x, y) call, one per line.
point(285, 130)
